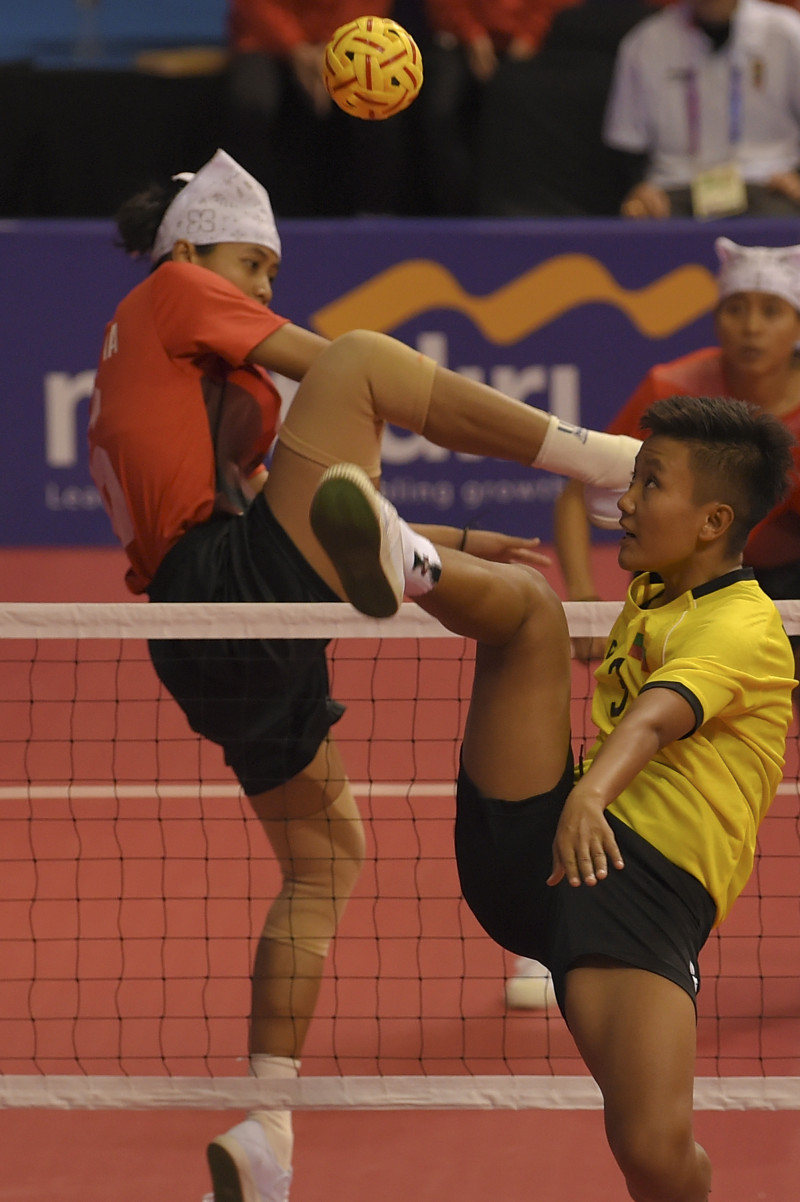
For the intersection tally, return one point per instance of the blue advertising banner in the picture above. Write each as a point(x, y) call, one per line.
point(565, 315)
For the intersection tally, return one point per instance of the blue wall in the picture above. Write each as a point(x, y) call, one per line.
point(564, 315)
point(54, 31)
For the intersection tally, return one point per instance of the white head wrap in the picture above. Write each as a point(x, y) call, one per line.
point(775, 270)
point(221, 203)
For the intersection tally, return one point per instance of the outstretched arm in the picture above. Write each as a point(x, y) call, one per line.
point(573, 543)
point(584, 843)
point(574, 549)
point(290, 350)
point(487, 544)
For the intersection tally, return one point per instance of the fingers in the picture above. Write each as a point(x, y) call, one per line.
point(506, 548)
point(586, 860)
point(646, 201)
point(534, 559)
point(557, 873)
point(787, 183)
point(634, 208)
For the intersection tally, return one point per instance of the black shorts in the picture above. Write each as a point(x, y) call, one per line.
point(265, 702)
point(651, 914)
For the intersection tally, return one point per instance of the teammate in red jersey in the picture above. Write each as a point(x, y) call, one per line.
point(757, 323)
point(182, 417)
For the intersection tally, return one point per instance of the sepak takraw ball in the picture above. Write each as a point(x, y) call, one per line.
point(373, 68)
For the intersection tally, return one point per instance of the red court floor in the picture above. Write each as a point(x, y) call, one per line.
point(447, 1156)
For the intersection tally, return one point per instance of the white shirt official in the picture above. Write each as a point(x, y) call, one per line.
point(691, 107)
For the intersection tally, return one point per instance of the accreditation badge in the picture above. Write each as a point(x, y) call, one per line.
point(719, 192)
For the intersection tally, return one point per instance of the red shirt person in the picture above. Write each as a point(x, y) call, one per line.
point(757, 322)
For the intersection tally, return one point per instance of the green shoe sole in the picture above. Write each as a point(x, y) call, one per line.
point(347, 523)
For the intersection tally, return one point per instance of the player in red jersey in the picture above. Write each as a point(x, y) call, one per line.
point(182, 417)
point(757, 323)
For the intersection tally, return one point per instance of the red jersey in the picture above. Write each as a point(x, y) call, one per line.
point(277, 26)
point(502, 20)
point(179, 419)
point(776, 540)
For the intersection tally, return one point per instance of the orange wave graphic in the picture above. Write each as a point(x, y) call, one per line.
point(524, 305)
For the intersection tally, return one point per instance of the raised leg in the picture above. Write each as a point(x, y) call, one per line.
point(636, 1033)
point(364, 379)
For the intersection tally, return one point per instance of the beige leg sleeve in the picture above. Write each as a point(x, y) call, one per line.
point(320, 857)
point(362, 380)
point(315, 829)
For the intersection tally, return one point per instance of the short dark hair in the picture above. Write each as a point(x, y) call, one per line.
point(739, 454)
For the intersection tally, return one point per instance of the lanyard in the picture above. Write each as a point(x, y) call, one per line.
point(735, 108)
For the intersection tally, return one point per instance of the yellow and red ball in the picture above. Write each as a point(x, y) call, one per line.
point(373, 68)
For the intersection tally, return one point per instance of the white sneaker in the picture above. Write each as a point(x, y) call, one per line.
point(360, 531)
point(243, 1167)
point(531, 987)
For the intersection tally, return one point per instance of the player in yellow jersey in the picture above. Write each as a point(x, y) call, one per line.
point(613, 875)
point(183, 413)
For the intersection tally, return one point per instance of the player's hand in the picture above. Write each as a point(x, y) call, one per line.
point(482, 58)
point(787, 183)
point(520, 50)
point(505, 548)
point(258, 479)
point(584, 847)
point(307, 63)
point(646, 201)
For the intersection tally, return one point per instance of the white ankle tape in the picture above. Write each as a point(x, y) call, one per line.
point(588, 455)
point(422, 565)
point(262, 1064)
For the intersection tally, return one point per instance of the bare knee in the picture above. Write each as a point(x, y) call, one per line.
point(320, 859)
point(542, 614)
point(660, 1160)
point(510, 605)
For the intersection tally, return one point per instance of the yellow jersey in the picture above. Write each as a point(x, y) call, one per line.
point(701, 799)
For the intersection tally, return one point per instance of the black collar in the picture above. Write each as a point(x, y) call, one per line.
point(733, 577)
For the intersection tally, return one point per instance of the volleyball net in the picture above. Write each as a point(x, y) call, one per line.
point(134, 882)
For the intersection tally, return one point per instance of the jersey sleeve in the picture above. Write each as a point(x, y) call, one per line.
point(197, 313)
point(629, 416)
point(696, 374)
point(456, 17)
point(625, 120)
point(708, 686)
point(726, 666)
point(265, 25)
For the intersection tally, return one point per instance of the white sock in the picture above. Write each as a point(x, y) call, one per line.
point(422, 564)
point(589, 455)
point(277, 1124)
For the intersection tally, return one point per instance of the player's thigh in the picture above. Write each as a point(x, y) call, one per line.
point(636, 1032)
point(315, 829)
point(289, 491)
point(518, 727)
point(312, 790)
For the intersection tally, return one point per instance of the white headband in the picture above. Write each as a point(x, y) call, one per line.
point(775, 270)
point(221, 203)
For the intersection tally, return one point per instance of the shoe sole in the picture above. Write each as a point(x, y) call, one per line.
point(347, 523)
point(227, 1173)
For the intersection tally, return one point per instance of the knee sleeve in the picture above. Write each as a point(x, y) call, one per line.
point(358, 383)
point(320, 858)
